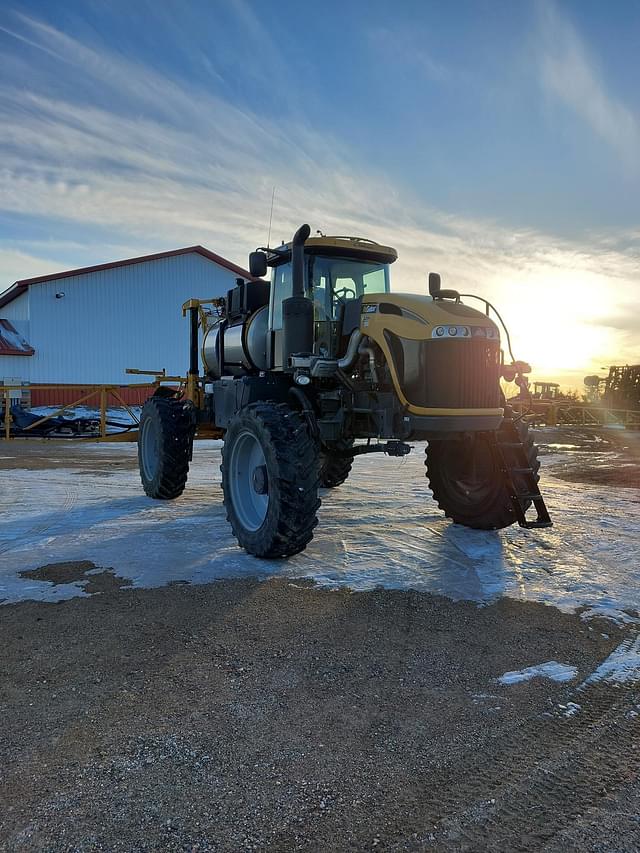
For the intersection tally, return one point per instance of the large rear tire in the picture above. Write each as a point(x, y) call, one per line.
point(467, 482)
point(334, 468)
point(165, 443)
point(270, 479)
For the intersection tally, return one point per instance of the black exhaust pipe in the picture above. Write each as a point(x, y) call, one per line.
point(297, 259)
point(297, 310)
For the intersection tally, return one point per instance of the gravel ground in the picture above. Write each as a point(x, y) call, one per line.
point(276, 716)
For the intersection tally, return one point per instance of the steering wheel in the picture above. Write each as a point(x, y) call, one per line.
point(341, 294)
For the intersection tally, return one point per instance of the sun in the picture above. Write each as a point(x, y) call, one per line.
point(553, 316)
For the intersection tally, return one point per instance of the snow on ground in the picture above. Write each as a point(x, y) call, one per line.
point(381, 528)
point(622, 666)
point(551, 669)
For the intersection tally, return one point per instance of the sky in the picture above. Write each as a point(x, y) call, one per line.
point(497, 143)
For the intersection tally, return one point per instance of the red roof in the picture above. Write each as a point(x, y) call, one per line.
point(12, 343)
point(19, 287)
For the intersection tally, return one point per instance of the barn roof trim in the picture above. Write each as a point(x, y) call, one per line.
point(19, 287)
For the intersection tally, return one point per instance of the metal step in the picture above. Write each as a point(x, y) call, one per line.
point(533, 525)
point(530, 493)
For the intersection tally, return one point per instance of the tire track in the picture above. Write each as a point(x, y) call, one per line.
point(69, 500)
point(527, 785)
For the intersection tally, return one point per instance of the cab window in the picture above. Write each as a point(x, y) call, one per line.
point(281, 288)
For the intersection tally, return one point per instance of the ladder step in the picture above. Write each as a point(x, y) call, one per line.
point(521, 470)
point(532, 525)
point(531, 496)
point(510, 444)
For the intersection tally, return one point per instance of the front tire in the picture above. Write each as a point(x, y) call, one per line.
point(270, 479)
point(165, 443)
point(334, 468)
point(467, 482)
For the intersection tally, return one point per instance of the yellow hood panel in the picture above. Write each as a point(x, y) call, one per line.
point(413, 316)
point(419, 315)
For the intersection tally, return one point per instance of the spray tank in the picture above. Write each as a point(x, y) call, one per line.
point(236, 342)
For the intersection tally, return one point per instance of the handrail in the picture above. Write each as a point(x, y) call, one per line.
point(103, 391)
point(567, 412)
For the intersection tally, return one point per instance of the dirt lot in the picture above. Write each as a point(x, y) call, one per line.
point(246, 715)
point(600, 456)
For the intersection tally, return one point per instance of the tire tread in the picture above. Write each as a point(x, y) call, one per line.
point(176, 430)
point(296, 456)
point(501, 513)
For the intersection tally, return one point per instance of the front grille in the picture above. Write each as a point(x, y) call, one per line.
point(448, 374)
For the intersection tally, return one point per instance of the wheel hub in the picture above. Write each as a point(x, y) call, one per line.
point(260, 481)
point(248, 480)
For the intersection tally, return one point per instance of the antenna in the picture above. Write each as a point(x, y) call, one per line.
point(273, 194)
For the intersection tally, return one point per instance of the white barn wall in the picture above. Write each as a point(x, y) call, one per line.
point(111, 319)
point(15, 367)
point(17, 311)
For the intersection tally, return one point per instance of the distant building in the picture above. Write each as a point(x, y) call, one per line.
point(88, 325)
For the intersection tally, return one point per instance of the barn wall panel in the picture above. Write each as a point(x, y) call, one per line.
point(113, 319)
point(15, 367)
point(17, 310)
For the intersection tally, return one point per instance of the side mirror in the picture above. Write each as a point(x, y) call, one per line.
point(435, 290)
point(258, 264)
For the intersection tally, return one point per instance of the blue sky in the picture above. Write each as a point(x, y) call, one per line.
point(498, 142)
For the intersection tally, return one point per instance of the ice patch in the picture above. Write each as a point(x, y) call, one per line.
point(551, 669)
point(621, 667)
point(381, 528)
point(620, 617)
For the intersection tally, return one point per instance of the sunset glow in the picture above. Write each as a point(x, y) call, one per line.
point(516, 178)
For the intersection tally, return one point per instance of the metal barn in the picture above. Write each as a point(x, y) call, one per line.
point(88, 325)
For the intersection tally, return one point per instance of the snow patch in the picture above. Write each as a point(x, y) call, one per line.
point(380, 529)
point(551, 669)
point(621, 667)
point(620, 617)
point(570, 709)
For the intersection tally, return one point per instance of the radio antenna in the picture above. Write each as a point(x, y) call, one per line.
point(273, 194)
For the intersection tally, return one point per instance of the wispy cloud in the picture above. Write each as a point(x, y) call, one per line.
point(569, 72)
point(405, 46)
point(104, 141)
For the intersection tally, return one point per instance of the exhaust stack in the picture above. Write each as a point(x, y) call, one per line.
point(297, 310)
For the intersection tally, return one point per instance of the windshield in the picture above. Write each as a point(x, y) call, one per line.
point(334, 281)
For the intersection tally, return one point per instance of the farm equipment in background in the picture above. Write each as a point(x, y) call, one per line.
point(620, 389)
point(26, 424)
point(296, 371)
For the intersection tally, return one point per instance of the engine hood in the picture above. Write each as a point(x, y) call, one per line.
point(444, 357)
point(414, 316)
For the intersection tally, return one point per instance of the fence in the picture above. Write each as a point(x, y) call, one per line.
point(558, 413)
point(105, 395)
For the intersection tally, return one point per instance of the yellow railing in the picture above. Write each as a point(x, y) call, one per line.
point(567, 413)
point(105, 395)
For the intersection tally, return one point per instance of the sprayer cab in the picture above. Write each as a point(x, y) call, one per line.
point(313, 281)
